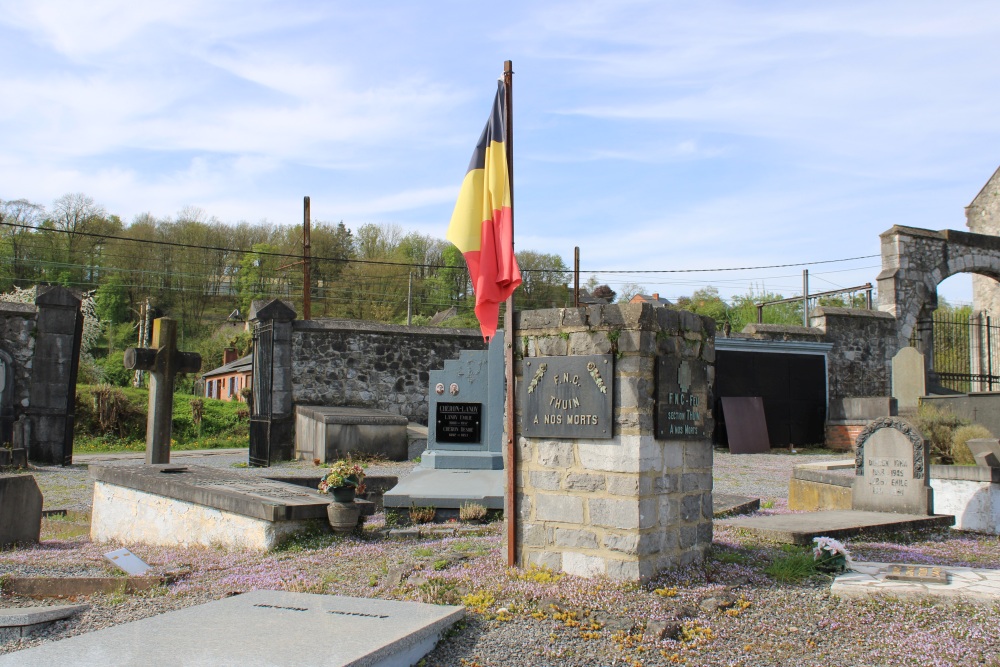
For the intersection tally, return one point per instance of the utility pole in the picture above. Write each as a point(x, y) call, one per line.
point(576, 277)
point(306, 261)
point(409, 301)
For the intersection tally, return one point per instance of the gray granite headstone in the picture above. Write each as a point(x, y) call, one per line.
point(891, 468)
point(908, 379)
point(272, 628)
point(465, 411)
point(20, 510)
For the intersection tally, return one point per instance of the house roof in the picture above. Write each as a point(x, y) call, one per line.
point(241, 365)
point(654, 299)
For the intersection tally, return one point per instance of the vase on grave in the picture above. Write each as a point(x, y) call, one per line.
point(344, 494)
point(343, 517)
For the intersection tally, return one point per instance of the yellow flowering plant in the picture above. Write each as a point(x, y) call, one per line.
point(341, 473)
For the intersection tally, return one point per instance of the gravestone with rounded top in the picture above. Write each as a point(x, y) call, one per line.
point(20, 510)
point(908, 379)
point(891, 468)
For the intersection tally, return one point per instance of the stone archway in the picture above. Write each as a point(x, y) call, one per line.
point(914, 262)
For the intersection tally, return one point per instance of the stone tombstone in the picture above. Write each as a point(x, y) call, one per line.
point(568, 397)
point(908, 379)
point(891, 468)
point(465, 411)
point(20, 510)
point(682, 398)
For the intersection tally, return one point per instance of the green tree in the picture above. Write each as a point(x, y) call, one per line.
point(544, 281)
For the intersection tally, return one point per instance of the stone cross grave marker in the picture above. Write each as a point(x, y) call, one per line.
point(892, 469)
point(164, 361)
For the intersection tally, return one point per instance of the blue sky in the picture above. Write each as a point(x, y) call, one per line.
point(654, 135)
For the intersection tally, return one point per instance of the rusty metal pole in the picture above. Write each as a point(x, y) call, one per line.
point(576, 277)
point(306, 260)
point(509, 405)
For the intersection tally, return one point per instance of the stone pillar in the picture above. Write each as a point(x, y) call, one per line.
point(52, 397)
point(639, 501)
point(279, 316)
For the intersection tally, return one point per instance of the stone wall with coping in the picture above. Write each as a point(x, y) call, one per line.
point(629, 506)
point(365, 364)
point(864, 342)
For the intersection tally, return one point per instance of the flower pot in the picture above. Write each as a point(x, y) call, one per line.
point(343, 517)
point(344, 494)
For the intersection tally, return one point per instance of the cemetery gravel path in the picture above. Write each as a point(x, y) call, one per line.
point(770, 624)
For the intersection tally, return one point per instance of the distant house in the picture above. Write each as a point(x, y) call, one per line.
point(653, 298)
point(228, 380)
point(588, 299)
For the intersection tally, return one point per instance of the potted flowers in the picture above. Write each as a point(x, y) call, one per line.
point(342, 481)
point(830, 555)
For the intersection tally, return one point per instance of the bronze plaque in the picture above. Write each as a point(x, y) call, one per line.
point(567, 397)
point(682, 401)
point(459, 422)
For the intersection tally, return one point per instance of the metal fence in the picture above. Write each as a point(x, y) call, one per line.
point(967, 352)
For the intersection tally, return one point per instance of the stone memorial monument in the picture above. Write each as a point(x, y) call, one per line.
point(614, 453)
point(163, 361)
point(892, 469)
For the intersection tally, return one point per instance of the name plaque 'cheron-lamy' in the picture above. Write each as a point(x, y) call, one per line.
point(568, 397)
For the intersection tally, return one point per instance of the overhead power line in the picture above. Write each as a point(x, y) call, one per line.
point(286, 255)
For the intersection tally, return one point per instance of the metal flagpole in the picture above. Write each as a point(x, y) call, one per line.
point(508, 323)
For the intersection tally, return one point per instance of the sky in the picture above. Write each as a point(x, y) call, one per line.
point(655, 136)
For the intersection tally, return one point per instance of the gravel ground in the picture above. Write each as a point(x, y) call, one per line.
point(725, 612)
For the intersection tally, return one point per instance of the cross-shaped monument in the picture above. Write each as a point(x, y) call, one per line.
point(164, 361)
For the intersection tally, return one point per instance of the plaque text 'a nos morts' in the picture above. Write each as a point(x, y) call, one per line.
point(681, 399)
point(568, 397)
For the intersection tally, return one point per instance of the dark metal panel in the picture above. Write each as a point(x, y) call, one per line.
point(568, 397)
point(263, 375)
point(748, 433)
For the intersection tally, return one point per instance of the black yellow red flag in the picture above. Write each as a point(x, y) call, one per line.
point(482, 225)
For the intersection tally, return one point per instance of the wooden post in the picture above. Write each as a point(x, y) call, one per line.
point(509, 337)
point(576, 277)
point(306, 260)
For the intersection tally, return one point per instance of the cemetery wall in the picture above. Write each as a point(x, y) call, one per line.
point(17, 326)
point(628, 505)
point(364, 364)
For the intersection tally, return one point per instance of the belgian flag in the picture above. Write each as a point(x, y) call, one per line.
point(482, 225)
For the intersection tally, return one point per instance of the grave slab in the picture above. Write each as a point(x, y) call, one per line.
point(22, 621)
point(448, 489)
point(258, 629)
point(964, 584)
point(802, 528)
point(329, 433)
point(189, 505)
point(725, 504)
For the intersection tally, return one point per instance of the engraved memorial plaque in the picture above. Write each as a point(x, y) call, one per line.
point(459, 422)
point(682, 401)
point(568, 397)
point(930, 574)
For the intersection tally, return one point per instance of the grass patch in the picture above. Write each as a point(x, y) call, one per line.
point(65, 527)
point(795, 565)
point(311, 539)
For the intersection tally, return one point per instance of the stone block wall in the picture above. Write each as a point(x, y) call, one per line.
point(629, 506)
point(365, 364)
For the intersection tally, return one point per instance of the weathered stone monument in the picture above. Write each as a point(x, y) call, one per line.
point(163, 361)
point(908, 379)
point(892, 469)
point(20, 510)
point(615, 455)
point(196, 505)
point(986, 451)
point(463, 461)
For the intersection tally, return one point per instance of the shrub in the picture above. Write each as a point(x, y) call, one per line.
point(472, 512)
point(939, 426)
point(421, 514)
point(961, 453)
